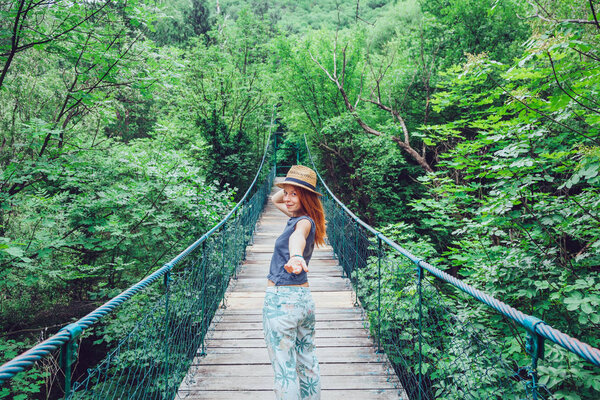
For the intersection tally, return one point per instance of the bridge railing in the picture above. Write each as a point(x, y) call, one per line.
point(423, 320)
point(151, 332)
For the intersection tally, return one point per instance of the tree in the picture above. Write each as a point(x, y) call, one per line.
point(229, 153)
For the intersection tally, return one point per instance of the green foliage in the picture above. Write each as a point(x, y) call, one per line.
point(519, 187)
point(117, 117)
point(298, 17)
point(229, 153)
point(474, 26)
point(104, 173)
point(102, 222)
point(372, 175)
point(509, 124)
point(180, 21)
point(454, 355)
point(24, 385)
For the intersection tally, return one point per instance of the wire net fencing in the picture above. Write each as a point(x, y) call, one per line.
point(151, 354)
point(441, 342)
point(141, 344)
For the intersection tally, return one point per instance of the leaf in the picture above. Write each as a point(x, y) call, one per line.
point(14, 251)
point(587, 308)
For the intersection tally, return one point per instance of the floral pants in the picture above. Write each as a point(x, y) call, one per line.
point(289, 329)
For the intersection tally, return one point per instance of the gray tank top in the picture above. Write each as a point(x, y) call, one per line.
point(281, 254)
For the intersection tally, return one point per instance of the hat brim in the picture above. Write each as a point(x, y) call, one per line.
point(282, 184)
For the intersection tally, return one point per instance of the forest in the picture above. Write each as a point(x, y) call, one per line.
point(468, 131)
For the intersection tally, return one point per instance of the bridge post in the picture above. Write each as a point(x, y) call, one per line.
point(246, 232)
point(379, 255)
point(343, 246)
point(275, 152)
point(419, 271)
point(203, 299)
point(355, 269)
point(167, 282)
point(228, 274)
point(68, 355)
point(235, 238)
point(535, 348)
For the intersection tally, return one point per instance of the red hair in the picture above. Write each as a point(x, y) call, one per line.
point(311, 204)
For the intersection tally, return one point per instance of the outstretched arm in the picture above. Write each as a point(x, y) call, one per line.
point(296, 244)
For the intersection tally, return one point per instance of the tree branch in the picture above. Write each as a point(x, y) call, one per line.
point(594, 13)
point(52, 36)
point(14, 41)
point(543, 114)
point(559, 21)
point(336, 152)
point(404, 144)
point(563, 89)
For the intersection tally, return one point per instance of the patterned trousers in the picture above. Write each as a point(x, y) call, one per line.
point(289, 329)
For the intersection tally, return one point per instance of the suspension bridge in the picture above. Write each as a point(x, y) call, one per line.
point(235, 364)
point(388, 323)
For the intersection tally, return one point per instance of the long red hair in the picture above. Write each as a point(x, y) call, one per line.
point(311, 204)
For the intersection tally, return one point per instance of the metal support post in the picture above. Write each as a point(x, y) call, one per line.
point(68, 355)
point(275, 152)
point(66, 360)
point(535, 348)
point(224, 275)
point(343, 249)
point(379, 255)
point(355, 265)
point(167, 282)
point(356, 234)
point(419, 270)
point(203, 294)
point(236, 239)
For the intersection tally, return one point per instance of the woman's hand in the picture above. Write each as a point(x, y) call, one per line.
point(295, 265)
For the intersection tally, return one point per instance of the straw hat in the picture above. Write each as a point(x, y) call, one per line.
point(301, 176)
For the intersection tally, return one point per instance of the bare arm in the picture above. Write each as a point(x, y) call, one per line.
point(296, 245)
point(277, 199)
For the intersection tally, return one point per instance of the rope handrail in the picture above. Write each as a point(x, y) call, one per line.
point(71, 331)
point(529, 322)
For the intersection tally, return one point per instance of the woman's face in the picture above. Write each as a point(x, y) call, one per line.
point(291, 198)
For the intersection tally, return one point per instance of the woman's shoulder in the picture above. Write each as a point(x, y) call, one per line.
point(296, 220)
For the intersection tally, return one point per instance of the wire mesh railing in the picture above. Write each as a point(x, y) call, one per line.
point(429, 323)
point(151, 332)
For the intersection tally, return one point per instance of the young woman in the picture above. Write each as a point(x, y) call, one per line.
point(289, 310)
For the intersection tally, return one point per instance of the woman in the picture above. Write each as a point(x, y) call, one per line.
point(289, 310)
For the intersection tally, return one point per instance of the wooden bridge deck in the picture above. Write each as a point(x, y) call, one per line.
point(237, 364)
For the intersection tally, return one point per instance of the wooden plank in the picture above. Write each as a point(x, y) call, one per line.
point(325, 284)
point(257, 334)
point(231, 317)
point(246, 326)
point(347, 369)
point(265, 262)
point(379, 394)
point(328, 382)
point(319, 311)
point(315, 275)
point(251, 356)
point(314, 266)
point(245, 300)
point(361, 341)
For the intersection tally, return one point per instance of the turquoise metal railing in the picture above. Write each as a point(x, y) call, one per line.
point(152, 332)
point(422, 325)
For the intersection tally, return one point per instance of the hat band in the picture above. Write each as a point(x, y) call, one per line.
point(288, 179)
